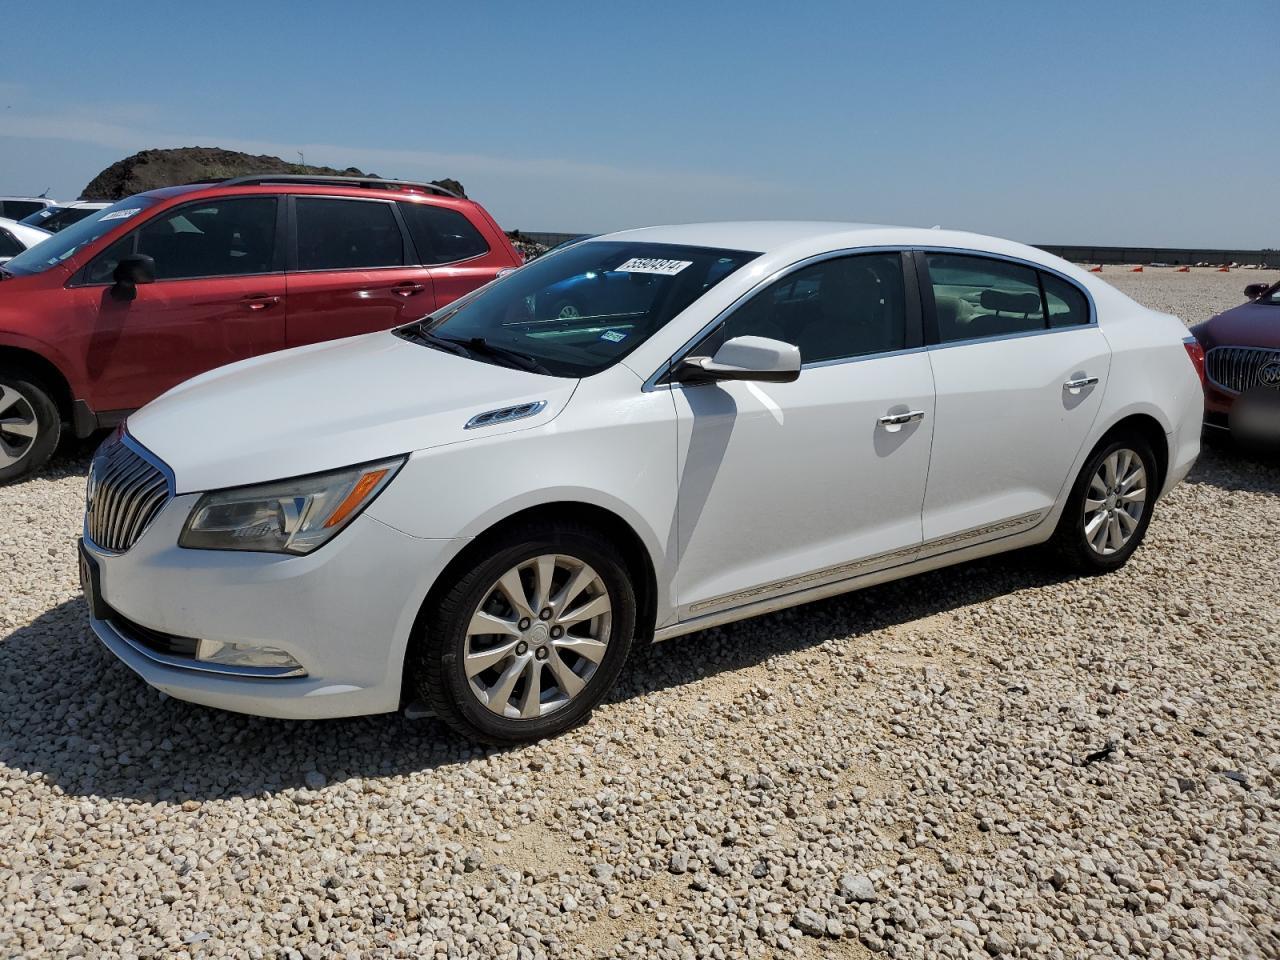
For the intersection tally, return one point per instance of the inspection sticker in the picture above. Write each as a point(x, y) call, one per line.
point(668, 268)
point(122, 214)
point(613, 336)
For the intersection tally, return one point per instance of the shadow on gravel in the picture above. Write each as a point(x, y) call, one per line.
point(1228, 466)
point(74, 716)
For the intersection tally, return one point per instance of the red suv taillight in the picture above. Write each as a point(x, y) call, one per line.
point(1196, 354)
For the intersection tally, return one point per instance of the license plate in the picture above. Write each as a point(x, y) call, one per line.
point(91, 584)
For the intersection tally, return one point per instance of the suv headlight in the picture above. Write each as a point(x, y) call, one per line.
point(287, 516)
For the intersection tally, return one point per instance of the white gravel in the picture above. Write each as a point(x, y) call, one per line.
point(987, 760)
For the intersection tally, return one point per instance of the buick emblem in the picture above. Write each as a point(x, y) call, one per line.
point(1269, 375)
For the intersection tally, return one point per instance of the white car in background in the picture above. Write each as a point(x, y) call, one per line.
point(483, 509)
point(15, 208)
point(16, 238)
point(62, 215)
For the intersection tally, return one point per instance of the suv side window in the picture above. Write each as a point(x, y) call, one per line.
point(976, 297)
point(222, 237)
point(832, 310)
point(340, 234)
point(1068, 307)
point(441, 235)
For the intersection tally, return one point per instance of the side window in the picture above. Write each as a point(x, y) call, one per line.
point(9, 247)
point(220, 238)
point(1068, 307)
point(338, 234)
point(976, 297)
point(441, 235)
point(832, 310)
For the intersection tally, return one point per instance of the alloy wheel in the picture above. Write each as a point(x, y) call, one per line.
point(1115, 501)
point(18, 425)
point(538, 636)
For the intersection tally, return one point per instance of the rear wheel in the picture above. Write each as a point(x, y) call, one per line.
point(30, 424)
point(526, 643)
point(1110, 506)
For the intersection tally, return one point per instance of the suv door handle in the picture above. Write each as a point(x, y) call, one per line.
point(259, 302)
point(1080, 384)
point(898, 419)
point(407, 289)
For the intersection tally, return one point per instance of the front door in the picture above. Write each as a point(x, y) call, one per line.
point(219, 297)
point(787, 486)
point(1020, 369)
point(352, 272)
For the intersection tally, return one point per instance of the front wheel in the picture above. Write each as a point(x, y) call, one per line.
point(1110, 506)
point(30, 424)
point(526, 643)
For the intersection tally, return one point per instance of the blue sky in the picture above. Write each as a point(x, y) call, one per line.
point(1133, 123)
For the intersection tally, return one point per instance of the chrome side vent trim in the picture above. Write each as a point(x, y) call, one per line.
point(505, 414)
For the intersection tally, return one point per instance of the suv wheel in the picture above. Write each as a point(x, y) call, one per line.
point(1110, 507)
point(30, 424)
point(525, 644)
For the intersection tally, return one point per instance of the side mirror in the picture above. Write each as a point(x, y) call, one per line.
point(132, 270)
point(1254, 290)
point(743, 358)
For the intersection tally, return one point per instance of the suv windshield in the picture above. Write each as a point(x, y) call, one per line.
point(580, 310)
point(51, 252)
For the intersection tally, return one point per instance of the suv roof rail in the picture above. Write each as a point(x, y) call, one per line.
point(369, 183)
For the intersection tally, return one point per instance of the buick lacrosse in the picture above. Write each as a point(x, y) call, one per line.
point(639, 436)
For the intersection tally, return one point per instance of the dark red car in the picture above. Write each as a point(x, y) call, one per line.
point(113, 311)
point(1242, 366)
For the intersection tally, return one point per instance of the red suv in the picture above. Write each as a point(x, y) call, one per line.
point(116, 309)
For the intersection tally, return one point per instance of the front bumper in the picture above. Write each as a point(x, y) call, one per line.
point(344, 613)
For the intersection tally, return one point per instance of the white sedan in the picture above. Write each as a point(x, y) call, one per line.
point(484, 510)
point(15, 238)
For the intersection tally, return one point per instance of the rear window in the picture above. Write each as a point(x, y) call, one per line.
point(441, 235)
point(337, 234)
point(17, 209)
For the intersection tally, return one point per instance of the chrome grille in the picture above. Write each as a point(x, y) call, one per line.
point(127, 488)
point(1237, 368)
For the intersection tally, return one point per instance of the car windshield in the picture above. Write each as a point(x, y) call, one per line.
point(1273, 296)
point(51, 252)
point(580, 310)
point(54, 219)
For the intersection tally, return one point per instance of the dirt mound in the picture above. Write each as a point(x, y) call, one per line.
point(151, 169)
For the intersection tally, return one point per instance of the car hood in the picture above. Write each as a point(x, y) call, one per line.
point(330, 405)
point(1248, 325)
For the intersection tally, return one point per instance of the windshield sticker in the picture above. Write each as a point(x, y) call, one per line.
point(668, 268)
point(122, 214)
point(613, 336)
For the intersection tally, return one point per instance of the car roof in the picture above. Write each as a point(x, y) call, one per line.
point(809, 237)
point(333, 188)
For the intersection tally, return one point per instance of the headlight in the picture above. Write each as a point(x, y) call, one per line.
point(288, 516)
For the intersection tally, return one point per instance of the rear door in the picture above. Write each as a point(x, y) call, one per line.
point(1020, 367)
point(352, 269)
point(460, 255)
point(218, 297)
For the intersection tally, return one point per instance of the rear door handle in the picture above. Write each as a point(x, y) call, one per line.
point(407, 289)
point(259, 302)
point(1080, 383)
point(898, 419)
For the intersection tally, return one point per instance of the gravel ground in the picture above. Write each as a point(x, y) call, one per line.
point(987, 760)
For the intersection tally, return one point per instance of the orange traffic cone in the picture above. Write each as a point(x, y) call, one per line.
point(1183, 270)
point(1224, 269)
point(1136, 270)
point(1097, 269)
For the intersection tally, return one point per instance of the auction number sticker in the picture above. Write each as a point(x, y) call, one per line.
point(667, 268)
point(122, 214)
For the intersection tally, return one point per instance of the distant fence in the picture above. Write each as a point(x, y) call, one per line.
point(1078, 254)
point(1175, 255)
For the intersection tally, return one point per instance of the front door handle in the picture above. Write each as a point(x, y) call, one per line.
point(898, 419)
point(407, 289)
point(259, 302)
point(1080, 383)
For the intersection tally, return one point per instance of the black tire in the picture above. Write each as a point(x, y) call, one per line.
point(1069, 541)
point(436, 657)
point(34, 399)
